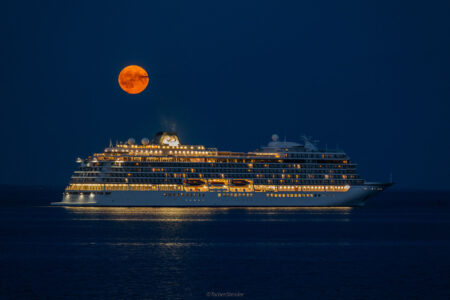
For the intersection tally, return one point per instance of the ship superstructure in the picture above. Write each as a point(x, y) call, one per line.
point(164, 172)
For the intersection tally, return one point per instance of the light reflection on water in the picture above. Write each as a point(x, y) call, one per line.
point(208, 214)
point(265, 253)
point(205, 210)
point(255, 244)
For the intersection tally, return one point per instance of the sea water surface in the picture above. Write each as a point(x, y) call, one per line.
point(397, 247)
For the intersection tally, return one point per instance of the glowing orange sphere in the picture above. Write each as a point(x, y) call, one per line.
point(133, 79)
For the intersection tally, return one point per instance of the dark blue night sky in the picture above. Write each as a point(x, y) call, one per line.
point(371, 76)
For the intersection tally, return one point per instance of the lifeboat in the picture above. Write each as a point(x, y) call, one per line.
point(217, 183)
point(194, 182)
point(240, 182)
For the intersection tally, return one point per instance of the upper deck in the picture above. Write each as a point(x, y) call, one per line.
point(168, 145)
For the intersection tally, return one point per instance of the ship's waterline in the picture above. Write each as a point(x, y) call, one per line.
point(165, 173)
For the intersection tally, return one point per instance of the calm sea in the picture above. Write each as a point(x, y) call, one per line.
point(397, 247)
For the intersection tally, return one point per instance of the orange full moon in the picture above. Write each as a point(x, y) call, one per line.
point(133, 79)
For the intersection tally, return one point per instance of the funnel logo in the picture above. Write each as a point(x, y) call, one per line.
point(170, 140)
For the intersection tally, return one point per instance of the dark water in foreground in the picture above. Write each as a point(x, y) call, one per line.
point(397, 247)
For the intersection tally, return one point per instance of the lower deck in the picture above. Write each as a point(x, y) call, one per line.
point(355, 196)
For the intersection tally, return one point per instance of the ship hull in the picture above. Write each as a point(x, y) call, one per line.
point(355, 196)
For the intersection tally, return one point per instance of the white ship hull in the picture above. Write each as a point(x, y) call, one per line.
point(355, 196)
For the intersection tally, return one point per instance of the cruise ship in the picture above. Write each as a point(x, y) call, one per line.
point(165, 173)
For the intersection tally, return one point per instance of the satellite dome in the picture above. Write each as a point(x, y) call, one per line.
point(145, 141)
point(131, 141)
point(275, 137)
